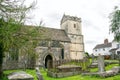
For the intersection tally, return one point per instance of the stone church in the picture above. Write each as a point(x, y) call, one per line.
point(57, 44)
point(64, 43)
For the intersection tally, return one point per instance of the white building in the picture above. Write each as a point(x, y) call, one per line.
point(107, 48)
point(115, 49)
point(102, 49)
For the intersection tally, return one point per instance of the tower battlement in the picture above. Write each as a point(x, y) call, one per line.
point(68, 17)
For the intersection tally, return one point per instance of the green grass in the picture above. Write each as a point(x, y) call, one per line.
point(77, 77)
point(106, 68)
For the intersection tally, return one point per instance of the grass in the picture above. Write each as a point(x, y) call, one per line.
point(77, 77)
point(108, 67)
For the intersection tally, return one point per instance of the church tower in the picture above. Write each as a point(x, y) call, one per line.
point(72, 27)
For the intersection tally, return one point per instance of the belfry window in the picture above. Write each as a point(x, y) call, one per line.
point(74, 25)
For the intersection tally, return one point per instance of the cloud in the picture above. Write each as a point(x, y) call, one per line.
point(94, 15)
point(91, 42)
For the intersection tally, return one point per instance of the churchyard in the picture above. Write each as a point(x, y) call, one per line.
point(76, 77)
point(87, 74)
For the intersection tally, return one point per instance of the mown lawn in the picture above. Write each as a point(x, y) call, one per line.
point(77, 77)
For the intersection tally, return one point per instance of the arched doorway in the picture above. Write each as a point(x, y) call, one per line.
point(48, 61)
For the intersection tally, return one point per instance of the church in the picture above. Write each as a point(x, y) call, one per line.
point(64, 43)
point(58, 44)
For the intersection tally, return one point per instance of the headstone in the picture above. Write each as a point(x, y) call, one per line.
point(92, 58)
point(20, 76)
point(101, 65)
point(39, 76)
point(118, 53)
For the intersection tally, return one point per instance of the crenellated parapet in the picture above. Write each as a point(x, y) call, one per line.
point(68, 17)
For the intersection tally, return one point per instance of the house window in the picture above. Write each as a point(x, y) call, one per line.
point(96, 50)
point(118, 46)
point(103, 49)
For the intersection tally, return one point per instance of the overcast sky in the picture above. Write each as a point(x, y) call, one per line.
point(94, 15)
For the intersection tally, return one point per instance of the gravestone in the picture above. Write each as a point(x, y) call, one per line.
point(39, 76)
point(118, 53)
point(93, 58)
point(20, 76)
point(101, 65)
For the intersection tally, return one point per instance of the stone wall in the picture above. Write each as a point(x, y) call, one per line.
point(17, 65)
point(73, 28)
point(42, 52)
point(82, 63)
point(66, 50)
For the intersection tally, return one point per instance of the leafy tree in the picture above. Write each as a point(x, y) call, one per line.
point(115, 23)
point(87, 54)
point(13, 33)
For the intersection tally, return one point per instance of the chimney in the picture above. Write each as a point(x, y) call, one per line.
point(106, 41)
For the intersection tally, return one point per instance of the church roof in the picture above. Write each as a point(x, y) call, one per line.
point(103, 46)
point(46, 33)
point(54, 34)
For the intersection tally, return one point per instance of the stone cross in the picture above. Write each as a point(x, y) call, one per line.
point(101, 65)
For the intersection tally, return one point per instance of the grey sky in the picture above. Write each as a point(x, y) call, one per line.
point(94, 15)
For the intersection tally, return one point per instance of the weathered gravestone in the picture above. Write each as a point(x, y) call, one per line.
point(20, 76)
point(101, 65)
point(118, 53)
point(102, 72)
point(93, 58)
point(39, 76)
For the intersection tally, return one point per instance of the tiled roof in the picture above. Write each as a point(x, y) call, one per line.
point(103, 46)
point(50, 33)
point(114, 49)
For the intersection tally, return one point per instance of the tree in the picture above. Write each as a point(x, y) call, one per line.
point(115, 26)
point(115, 23)
point(87, 54)
point(13, 34)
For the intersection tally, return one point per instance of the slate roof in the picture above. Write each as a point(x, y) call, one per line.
point(50, 33)
point(54, 34)
point(103, 46)
point(114, 49)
